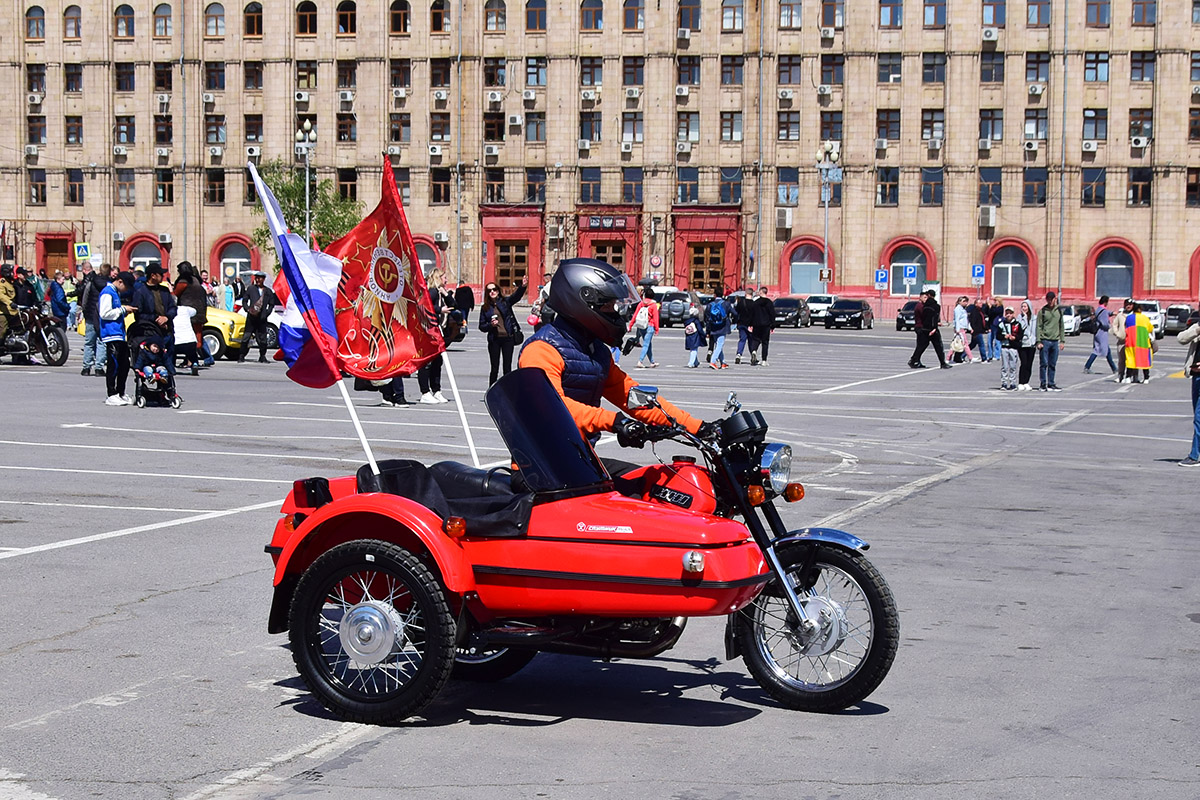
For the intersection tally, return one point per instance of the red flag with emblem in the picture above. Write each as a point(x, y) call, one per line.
point(385, 319)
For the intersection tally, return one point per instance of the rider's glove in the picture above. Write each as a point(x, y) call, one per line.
point(630, 432)
point(709, 431)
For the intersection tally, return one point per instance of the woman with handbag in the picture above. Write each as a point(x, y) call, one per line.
point(497, 320)
point(1191, 338)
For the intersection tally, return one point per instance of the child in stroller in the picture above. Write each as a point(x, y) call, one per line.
point(154, 383)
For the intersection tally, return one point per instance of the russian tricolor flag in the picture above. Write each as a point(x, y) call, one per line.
point(308, 332)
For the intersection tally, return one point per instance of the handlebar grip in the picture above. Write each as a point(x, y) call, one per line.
point(659, 433)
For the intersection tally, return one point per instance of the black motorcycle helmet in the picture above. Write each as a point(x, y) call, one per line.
point(594, 295)
point(6, 272)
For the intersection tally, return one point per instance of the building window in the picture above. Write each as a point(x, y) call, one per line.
point(1141, 180)
point(933, 68)
point(35, 127)
point(440, 70)
point(631, 185)
point(124, 76)
point(591, 71)
point(891, 13)
point(124, 186)
point(1141, 122)
point(991, 124)
point(306, 74)
point(535, 185)
point(252, 75)
point(991, 67)
point(214, 20)
point(633, 71)
point(1194, 124)
point(831, 126)
point(589, 185)
point(791, 70)
point(535, 126)
point(404, 183)
point(1037, 13)
point(214, 76)
point(35, 23)
point(347, 128)
point(689, 70)
point(252, 21)
point(74, 130)
point(535, 71)
point(1093, 187)
point(493, 185)
point(494, 71)
point(72, 23)
point(989, 186)
point(931, 186)
point(1145, 12)
point(347, 74)
point(833, 67)
point(1196, 12)
point(789, 14)
point(730, 186)
point(589, 125)
point(439, 127)
point(493, 126)
point(1095, 67)
point(535, 16)
point(731, 16)
point(439, 17)
point(162, 20)
point(933, 124)
point(687, 185)
point(1033, 191)
point(887, 186)
point(787, 186)
point(635, 15)
point(162, 76)
point(689, 14)
point(994, 13)
point(632, 126)
point(833, 13)
point(934, 13)
point(495, 16)
point(1036, 123)
point(1098, 13)
point(122, 26)
point(214, 129)
point(400, 73)
point(1037, 67)
point(1141, 66)
point(400, 128)
point(439, 186)
point(591, 15)
point(1095, 124)
point(163, 129)
point(732, 70)
point(306, 19)
point(887, 124)
point(1195, 66)
point(164, 187)
point(73, 78)
point(789, 126)
point(731, 126)
point(214, 187)
point(1193, 188)
point(347, 180)
point(74, 187)
point(889, 67)
point(687, 127)
point(252, 126)
point(37, 187)
point(125, 130)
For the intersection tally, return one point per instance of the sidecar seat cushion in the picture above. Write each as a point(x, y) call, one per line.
point(459, 480)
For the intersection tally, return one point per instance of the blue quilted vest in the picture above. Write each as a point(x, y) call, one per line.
point(111, 329)
point(586, 370)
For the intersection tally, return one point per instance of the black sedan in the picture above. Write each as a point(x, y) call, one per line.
point(791, 311)
point(906, 317)
point(855, 313)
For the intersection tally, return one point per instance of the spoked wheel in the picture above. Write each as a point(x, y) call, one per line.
point(851, 651)
point(371, 632)
point(54, 347)
point(140, 401)
point(489, 666)
point(176, 401)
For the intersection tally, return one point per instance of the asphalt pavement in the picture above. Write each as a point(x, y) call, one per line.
point(1042, 549)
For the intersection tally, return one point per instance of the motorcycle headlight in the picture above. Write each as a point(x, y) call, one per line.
point(776, 467)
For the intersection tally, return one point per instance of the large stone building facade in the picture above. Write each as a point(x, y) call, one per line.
point(677, 139)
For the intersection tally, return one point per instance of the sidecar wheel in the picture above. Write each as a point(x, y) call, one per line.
point(852, 653)
point(371, 632)
point(491, 665)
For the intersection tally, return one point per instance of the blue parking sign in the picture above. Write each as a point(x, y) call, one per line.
point(977, 270)
point(910, 271)
point(881, 277)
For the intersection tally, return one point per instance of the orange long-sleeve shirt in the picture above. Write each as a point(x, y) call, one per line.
point(593, 419)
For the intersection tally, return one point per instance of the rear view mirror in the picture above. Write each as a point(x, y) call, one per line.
point(642, 397)
point(732, 404)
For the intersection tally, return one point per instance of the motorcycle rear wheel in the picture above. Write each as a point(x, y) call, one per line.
point(54, 346)
point(490, 666)
point(371, 632)
point(852, 653)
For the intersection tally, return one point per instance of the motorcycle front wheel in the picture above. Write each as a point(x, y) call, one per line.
point(371, 632)
point(54, 346)
point(853, 648)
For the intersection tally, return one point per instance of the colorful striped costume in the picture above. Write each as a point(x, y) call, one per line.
point(1139, 333)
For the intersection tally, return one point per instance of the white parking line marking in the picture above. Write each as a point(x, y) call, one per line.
point(118, 698)
point(869, 380)
point(105, 508)
point(174, 450)
point(107, 472)
point(346, 420)
point(99, 537)
point(9, 786)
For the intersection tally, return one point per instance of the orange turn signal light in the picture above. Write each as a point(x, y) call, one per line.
point(757, 495)
point(793, 492)
point(455, 527)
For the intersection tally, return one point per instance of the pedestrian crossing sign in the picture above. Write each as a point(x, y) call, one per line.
point(83, 251)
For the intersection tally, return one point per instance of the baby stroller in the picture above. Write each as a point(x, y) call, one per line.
point(157, 389)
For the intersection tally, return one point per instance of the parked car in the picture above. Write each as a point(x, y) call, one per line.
point(1070, 321)
point(906, 317)
point(1192, 319)
point(818, 305)
point(1154, 311)
point(1084, 313)
point(855, 313)
point(1177, 317)
point(792, 311)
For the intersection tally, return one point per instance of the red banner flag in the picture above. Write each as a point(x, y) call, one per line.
point(385, 320)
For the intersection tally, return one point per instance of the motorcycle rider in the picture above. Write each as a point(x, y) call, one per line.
point(8, 296)
point(26, 294)
point(594, 302)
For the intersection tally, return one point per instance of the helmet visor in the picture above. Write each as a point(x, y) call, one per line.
point(627, 298)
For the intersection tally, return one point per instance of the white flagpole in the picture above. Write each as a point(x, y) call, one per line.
point(462, 414)
point(362, 437)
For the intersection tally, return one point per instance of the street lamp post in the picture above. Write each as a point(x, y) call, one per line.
point(306, 140)
point(831, 173)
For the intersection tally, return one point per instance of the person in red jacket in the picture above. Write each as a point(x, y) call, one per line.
point(644, 324)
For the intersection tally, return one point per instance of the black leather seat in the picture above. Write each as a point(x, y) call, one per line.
point(458, 480)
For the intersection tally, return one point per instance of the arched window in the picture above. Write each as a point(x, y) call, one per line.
point(591, 15)
point(493, 15)
point(401, 16)
point(689, 14)
point(234, 259)
point(347, 18)
point(162, 20)
point(72, 23)
point(427, 257)
point(253, 19)
point(731, 15)
point(909, 256)
point(439, 17)
point(123, 22)
point(535, 16)
point(635, 15)
point(1010, 272)
point(145, 253)
point(35, 23)
point(806, 263)
point(1114, 272)
point(306, 19)
point(214, 20)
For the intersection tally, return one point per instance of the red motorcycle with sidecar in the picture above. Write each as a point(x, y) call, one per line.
point(390, 583)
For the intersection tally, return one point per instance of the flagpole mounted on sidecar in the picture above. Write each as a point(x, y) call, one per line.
point(462, 414)
point(362, 437)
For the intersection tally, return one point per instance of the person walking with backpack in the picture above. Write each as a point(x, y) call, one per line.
point(1100, 337)
point(645, 325)
point(717, 324)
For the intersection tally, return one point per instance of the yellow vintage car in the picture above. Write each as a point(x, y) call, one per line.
point(222, 331)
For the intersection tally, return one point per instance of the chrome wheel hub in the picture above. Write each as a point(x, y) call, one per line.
point(370, 632)
point(829, 631)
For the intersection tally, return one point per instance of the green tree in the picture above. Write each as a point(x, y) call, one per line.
point(332, 215)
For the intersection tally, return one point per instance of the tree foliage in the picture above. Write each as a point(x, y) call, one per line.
point(332, 215)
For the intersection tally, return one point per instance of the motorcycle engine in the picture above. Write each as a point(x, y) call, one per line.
point(16, 344)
